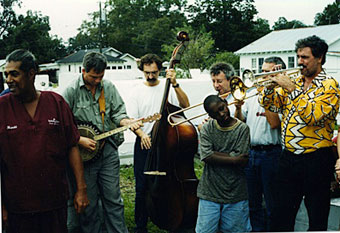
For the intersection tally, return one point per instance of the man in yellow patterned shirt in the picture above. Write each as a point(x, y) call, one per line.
point(309, 106)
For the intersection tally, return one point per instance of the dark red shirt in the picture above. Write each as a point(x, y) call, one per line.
point(34, 153)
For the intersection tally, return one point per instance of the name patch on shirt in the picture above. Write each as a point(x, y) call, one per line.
point(53, 122)
point(12, 127)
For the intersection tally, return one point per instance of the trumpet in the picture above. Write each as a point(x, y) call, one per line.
point(250, 80)
point(239, 89)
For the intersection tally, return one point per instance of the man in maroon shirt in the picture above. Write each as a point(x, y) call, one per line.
point(38, 138)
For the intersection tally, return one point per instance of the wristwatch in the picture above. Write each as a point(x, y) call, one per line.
point(175, 86)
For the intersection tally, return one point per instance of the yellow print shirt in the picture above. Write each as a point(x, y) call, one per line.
point(308, 117)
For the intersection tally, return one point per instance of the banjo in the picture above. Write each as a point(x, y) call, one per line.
point(90, 131)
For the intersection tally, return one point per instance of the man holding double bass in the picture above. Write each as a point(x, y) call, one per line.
point(146, 100)
point(96, 102)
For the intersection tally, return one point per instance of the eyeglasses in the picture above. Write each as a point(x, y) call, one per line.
point(147, 73)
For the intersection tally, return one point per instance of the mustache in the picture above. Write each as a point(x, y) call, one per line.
point(151, 80)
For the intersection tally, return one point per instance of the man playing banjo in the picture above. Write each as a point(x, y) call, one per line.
point(95, 101)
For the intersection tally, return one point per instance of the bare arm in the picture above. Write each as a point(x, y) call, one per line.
point(181, 96)
point(144, 138)
point(76, 163)
point(273, 119)
point(337, 164)
point(238, 110)
point(219, 158)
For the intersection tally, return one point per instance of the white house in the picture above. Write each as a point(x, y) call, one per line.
point(281, 43)
point(120, 65)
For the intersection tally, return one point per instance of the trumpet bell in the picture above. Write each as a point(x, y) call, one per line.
point(248, 77)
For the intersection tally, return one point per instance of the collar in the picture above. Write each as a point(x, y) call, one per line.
point(82, 83)
point(228, 128)
point(317, 81)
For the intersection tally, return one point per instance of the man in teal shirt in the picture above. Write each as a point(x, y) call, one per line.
point(101, 175)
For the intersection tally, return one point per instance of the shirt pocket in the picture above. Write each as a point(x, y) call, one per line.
point(55, 142)
point(83, 112)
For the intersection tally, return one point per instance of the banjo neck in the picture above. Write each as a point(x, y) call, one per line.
point(110, 133)
point(98, 137)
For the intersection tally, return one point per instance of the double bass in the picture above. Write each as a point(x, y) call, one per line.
point(171, 183)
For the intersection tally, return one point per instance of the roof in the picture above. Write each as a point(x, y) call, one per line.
point(284, 40)
point(2, 62)
point(126, 55)
point(77, 57)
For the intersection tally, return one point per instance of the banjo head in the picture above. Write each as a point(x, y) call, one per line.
point(89, 131)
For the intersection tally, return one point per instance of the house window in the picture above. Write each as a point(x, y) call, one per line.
point(291, 62)
point(69, 68)
point(128, 67)
point(261, 60)
point(120, 67)
point(253, 63)
point(108, 67)
point(114, 67)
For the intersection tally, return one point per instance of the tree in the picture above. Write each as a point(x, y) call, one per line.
point(283, 23)
point(31, 32)
point(330, 15)
point(7, 14)
point(136, 27)
point(231, 22)
point(228, 57)
point(198, 52)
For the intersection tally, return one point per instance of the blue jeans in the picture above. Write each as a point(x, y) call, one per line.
point(102, 180)
point(260, 174)
point(139, 159)
point(214, 217)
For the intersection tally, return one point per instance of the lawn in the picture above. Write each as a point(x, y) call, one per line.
point(127, 184)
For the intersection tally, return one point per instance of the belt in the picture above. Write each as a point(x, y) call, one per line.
point(265, 147)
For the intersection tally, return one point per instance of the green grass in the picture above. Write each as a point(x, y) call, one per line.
point(127, 185)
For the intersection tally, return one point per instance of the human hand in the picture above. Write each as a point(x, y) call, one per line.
point(284, 81)
point(171, 73)
point(134, 124)
point(4, 218)
point(88, 143)
point(80, 200)
point(205, 120)
point(241, 160)
point(238, 104)
point(277, 67)
point(337, 170)
point(145, 141)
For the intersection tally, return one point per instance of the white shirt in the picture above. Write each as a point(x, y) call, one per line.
point(260, 131)
point(146, 101)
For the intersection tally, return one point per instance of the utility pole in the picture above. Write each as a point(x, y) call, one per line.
point(100, 27)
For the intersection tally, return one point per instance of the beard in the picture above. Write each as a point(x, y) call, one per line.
point(308, 72)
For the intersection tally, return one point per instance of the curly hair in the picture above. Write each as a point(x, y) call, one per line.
point(318, 46)
point(148, 59)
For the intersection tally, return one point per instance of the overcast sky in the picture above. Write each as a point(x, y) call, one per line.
point(66, 16)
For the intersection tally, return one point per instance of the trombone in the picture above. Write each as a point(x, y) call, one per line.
point(188, 108)
point(239, 88)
